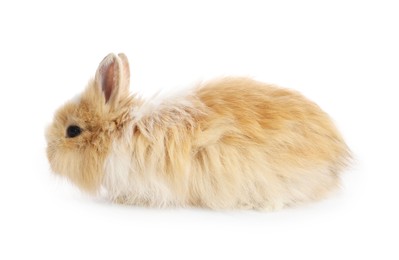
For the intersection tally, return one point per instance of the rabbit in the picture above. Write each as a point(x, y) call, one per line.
point(230, 143)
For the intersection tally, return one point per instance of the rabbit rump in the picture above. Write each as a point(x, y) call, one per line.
point(232, 143)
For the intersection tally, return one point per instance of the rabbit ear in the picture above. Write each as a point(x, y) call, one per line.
point(125, 72)
point(112, 77)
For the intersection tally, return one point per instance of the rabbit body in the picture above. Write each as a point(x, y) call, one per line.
point(230, 143)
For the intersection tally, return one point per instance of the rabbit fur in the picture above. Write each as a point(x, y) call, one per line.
point(231, 143)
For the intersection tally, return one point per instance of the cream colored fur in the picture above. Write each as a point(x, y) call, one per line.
point(227, 144)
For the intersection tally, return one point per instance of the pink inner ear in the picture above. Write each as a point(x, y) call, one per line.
point(108, 80)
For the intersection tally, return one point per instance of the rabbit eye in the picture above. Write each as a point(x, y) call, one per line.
point(73, 131)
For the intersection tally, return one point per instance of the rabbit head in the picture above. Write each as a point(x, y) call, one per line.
point(82, 130)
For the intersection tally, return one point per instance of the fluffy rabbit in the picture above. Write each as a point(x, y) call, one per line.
point(232, 143)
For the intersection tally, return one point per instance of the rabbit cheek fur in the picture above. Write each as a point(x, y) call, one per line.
point(230, 143)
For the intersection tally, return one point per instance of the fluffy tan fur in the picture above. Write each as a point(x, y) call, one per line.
point(230, 143)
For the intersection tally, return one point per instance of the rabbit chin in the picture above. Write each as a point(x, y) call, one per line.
point(81, 169)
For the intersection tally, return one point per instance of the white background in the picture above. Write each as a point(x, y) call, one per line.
point(342, 54)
